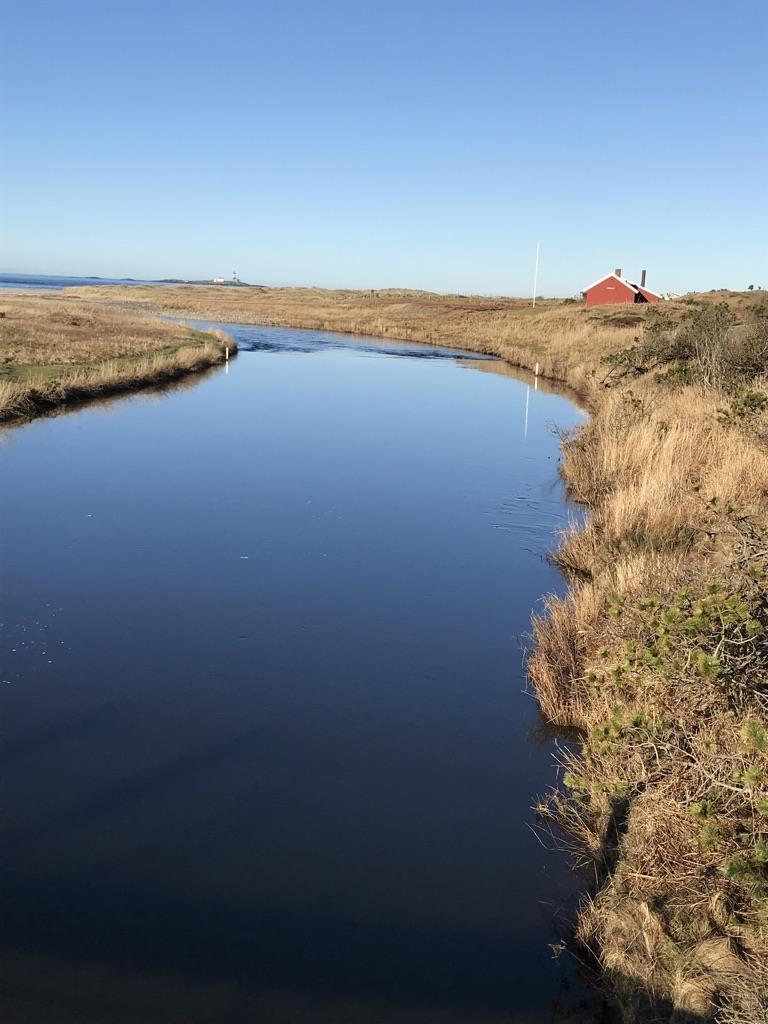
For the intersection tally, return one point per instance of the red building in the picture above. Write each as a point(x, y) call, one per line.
point(614, 289)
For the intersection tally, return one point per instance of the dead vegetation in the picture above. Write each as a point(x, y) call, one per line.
point(55, 352)
point(659, 655)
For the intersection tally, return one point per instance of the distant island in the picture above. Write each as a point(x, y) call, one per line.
point(235, 283)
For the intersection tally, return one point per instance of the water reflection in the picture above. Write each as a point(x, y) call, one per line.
point(255, 338)
point(266, 750)
point(104, 405)
point(114, 993)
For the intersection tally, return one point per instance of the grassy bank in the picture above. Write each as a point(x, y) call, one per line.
point(55, 351)
point(658, 653)
point(560, 335)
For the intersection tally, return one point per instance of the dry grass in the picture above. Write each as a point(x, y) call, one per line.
point(564, 338)
point(643, 466)
point(55, 352)
point(659, 654)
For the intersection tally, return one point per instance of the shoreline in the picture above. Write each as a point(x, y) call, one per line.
point(657, 652)
point(109, 382)
point(55, 355)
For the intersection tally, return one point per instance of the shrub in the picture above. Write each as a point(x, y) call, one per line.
point(709, 347)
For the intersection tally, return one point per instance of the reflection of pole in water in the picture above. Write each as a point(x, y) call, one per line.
point(527, 397)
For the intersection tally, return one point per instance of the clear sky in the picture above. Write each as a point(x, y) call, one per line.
point(427, 143)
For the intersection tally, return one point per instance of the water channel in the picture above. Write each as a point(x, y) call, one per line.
point(266, 751)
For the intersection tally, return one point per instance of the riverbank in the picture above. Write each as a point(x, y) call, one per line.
point(562, 336)
point(658, 653)
point(55, 352)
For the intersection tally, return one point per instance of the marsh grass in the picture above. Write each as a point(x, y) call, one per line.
point(55, 352)
point(659, 655)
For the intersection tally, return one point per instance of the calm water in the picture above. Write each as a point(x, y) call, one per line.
point(54, 282)
point(265, 750)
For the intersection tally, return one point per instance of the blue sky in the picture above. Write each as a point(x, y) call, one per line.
point(366, 144)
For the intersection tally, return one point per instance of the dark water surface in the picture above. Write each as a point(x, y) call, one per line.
point(265, 751)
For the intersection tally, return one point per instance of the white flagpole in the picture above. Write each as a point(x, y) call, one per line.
point(536, 273)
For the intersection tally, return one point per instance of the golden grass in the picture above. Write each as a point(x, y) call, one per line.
point(55, 352)
point(563, 337)
point(643, 468)
point(678, 500)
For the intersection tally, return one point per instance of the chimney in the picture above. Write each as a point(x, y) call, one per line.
point(642, 280)
point(617, 271)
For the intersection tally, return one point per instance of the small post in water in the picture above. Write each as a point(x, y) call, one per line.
point(226, 354)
